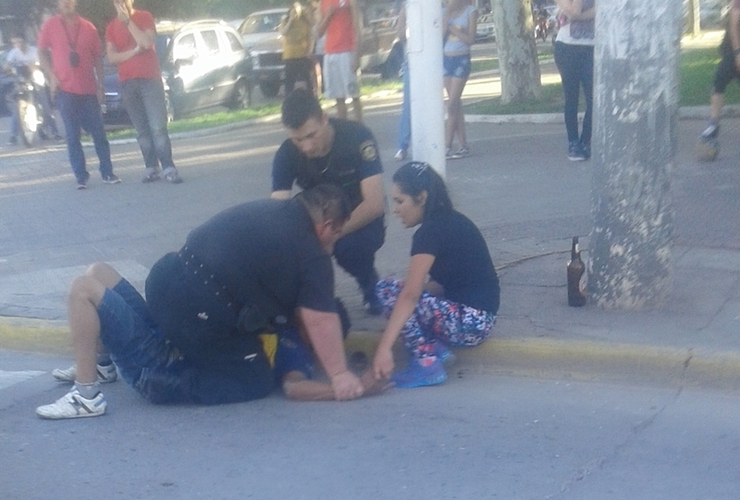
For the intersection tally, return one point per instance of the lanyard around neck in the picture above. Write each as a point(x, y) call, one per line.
point(72, 44)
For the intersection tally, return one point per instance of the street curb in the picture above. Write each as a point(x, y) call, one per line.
point(589, 360)
point(528, 356)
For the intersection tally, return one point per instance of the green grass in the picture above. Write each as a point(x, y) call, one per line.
point(696, 73)
point(225, 117)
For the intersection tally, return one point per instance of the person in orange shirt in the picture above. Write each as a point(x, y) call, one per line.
point(130, 46)
point(341, 22)
point(71, 56)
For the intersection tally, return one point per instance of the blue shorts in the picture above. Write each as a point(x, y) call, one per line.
point(129, 333)
point(292, 355)
point(148, 363)
point(457, 66)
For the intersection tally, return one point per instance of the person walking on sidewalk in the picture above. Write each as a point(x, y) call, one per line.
point(130, 46)
point(341, 22)
point(727, 69)
point(459, 24)
point(344, 153)
point(72, 56)
point(574, 57)
point(456, 305)
point(253, 268)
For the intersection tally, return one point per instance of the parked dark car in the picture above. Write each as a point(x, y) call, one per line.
point(204, 64)
point(380, 51)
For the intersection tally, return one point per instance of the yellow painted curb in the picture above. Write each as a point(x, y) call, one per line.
point(50, 337)
point(531, 356)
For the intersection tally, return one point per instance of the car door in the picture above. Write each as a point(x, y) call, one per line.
point(187, 83)
point(214, 67)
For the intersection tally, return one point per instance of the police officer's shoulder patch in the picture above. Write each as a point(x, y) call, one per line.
point(368, 151)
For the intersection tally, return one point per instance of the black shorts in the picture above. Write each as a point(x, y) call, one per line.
point(725, 72)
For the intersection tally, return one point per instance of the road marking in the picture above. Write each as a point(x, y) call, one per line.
point(11, 378)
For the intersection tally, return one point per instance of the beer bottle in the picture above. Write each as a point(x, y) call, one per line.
point(576, 268)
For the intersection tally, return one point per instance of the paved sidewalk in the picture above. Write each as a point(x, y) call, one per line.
point(517, 186)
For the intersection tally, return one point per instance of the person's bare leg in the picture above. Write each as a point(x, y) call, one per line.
point(454, 88)
point(357, 105)
point(716, 101)
point(85, 294)
point(341, 109)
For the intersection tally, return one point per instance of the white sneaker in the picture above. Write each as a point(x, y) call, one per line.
point(73, 405)
point(106, 374)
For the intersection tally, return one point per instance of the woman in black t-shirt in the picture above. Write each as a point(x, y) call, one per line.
point(450, 296)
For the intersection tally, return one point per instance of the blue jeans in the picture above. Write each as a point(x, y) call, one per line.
point(83, 112)
point(145, 104)
point(576, 66)
point(404, 121)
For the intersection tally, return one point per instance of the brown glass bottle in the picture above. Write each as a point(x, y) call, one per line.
point(576, 268)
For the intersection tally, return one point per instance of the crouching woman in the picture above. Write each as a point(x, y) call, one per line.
point(450, 295)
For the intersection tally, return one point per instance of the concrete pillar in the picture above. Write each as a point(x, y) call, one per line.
point(424, 39)
point(635, 116)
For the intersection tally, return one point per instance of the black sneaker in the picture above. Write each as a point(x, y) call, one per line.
point(111, 179)
point(575, 151)
point(586, 150)
point(82, 183)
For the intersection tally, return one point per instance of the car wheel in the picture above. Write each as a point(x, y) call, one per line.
point(270, 88)
point(241, 98)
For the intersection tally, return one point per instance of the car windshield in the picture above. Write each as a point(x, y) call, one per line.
point(261, 23)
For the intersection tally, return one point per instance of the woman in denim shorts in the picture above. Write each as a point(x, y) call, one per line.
point(459, 23)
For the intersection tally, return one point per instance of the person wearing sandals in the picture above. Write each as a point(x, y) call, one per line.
point(574, 57)
point(450, 295)
point(459, 23)
point(130, 46)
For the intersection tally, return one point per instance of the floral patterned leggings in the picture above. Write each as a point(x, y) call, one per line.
point(436, 320)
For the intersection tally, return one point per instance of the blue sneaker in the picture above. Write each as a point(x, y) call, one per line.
point(415, 375)
point(443, 354)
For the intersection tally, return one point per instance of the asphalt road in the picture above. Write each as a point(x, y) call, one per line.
point(477, 436)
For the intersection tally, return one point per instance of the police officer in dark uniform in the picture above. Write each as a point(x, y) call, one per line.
point(344, 153)
point(258, 267)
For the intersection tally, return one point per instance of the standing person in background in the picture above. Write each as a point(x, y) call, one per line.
point(342, 23)
point(459, 23)
point(574, 57)
point(72, 57)
point(404, 121)
point(727, 70)
point(297, 40)
point(318, 48)
point(130, 46)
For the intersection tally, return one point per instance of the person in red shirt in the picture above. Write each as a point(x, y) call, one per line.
point(71, 55)
point(130, 46)
point(341, 22)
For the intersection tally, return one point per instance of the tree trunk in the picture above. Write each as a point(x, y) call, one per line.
point(635, 115)
point(517, 50)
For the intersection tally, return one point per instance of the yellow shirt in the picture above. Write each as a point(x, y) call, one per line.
point(297, 40)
